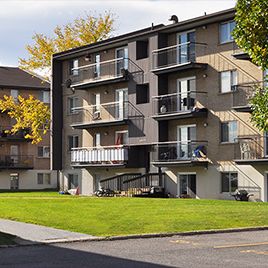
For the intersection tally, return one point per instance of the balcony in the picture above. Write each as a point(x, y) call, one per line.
point(180, 153)
point(19, 136)
point(180, 105)
point(107, 156)
point(242, 94)
point(178, 57)
point(239, 54)
point(252, 149)
point(106, 72)
point(16, 162)
point(106, 114)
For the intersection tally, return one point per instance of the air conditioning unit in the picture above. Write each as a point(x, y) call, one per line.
point(96, 115)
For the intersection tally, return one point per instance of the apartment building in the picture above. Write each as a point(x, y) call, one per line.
point(22, 164)
point(163, 106)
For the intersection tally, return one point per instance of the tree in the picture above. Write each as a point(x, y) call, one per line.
point(251, 34)
point(82, 31)
point(30, 114)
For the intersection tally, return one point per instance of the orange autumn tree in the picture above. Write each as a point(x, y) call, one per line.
point(28, 113)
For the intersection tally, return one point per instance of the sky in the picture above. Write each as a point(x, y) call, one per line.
point(21, 19)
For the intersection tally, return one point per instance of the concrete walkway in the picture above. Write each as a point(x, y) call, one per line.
point(31, 233)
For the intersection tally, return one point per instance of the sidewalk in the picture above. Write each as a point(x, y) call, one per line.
point(33, 234)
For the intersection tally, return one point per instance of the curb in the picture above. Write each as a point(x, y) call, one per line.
point(139, 236)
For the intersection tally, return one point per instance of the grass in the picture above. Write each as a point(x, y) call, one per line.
point(122, 216)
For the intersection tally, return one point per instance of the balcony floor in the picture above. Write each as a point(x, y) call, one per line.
point(100, 123)
point(100, 82)
point(98, 165)
point(179, 67)
point(181, 115)
point(251, 161)
point(243, 109)
point(180, 163)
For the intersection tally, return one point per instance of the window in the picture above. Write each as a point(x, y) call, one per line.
point(96, 140)
point(97, 102)
point(72, 103)
point(229, 131)
point(14, 93)
point(121, 137)
point(228, 81)
point(142, 49)
point(229, 182)
point(142, 94)
point(72, 181)
point(97, 66)
point(43, 178)
point(72, 142)
point(73, 67)
point(44, 96)
point(43, 151)
point(226, 29)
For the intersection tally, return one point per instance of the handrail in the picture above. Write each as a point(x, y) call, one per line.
point(119, 176)
point(178, 93)
point(99, 147)
point(94, 64)
point(94, 105)
point(178, 45)
point(178, 142)
point(141, 176)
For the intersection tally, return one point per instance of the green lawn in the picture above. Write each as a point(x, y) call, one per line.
point(122, 216)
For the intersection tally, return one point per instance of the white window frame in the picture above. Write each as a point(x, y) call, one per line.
point(73, 137)
point(232, 81)
point(45, 154)
point(45, 96)
point(75, 64)
point(97, 140)
point(229, 136)
point(229, 31)
point(46, 178)
point(229, 177)
point(70, 107)
point(14, 93)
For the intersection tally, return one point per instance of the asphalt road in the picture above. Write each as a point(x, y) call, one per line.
point(245, 249)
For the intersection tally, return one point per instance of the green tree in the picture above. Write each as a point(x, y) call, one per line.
point(82, 31)
point(29, 113)
point(251, 34)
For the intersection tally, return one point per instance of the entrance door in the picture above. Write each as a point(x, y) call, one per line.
point(186, 88)
point(121, 97)
point(121, 53)
point(14, 154)
point(186, 48)
point(185, 134)
point(14, 181)
point(187, 185)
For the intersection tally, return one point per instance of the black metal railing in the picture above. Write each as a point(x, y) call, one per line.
point(106, 70)
point(243, 93)
point(177, 55)
point(251, 147)
point(116, 183)
point(5, 133)
point(180, 151)
point(179, 102)
point(143, 183)
point(16, 161)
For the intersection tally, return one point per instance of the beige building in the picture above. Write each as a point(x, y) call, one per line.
point(23, 165)
point(164, 106)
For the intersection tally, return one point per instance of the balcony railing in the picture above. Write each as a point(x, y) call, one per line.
point(5, 135)
point(113, 112)
point(177, 55)
point(179, 103)
point(177, 151)
point(243, 93)
point(239, 53)
point(16, 162)
point(252, 147)
point(106, 70)
point(100, 156)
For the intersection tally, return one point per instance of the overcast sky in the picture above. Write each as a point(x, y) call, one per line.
point(20, 19)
